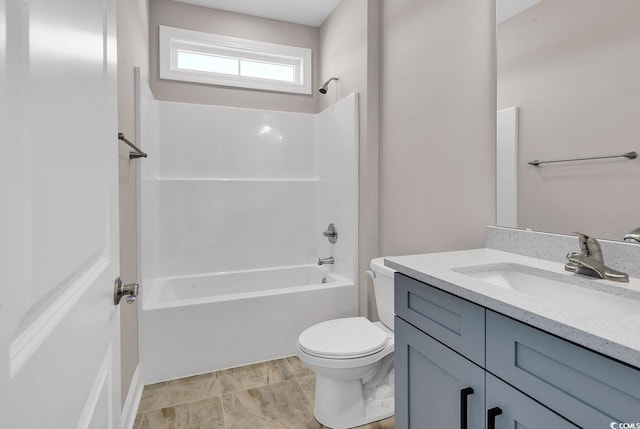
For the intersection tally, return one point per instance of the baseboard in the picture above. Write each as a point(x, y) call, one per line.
point(130, 408)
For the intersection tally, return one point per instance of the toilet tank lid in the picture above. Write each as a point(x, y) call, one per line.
point(377, 265)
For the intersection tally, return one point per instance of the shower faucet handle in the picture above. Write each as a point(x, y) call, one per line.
point(331, 233)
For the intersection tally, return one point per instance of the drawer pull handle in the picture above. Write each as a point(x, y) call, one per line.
point(464, 395)
point(491, 417)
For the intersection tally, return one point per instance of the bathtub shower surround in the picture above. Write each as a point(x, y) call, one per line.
point(232, 209)
point(336, 165)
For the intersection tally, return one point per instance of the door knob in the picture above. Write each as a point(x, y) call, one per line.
point(121, 290)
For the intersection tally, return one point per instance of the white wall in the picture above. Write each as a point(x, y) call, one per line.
point(228, 189)
point(438, 124)
point(181, 15)
point(336, 155)
point(230, 195)
point(208, 226)
point(213, 142)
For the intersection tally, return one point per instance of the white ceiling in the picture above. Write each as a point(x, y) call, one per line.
point(308, 12)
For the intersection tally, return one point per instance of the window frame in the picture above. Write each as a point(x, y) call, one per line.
point(172, 40)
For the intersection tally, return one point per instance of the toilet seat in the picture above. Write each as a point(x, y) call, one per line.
point(348, 338)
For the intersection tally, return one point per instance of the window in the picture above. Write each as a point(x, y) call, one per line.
point(193, 56)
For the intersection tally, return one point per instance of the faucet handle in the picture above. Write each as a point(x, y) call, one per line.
point(587, 243)
point(589, 246)
point(331, 233)
point(582, 240)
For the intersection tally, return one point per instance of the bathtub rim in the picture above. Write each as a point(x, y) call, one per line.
point(151, 293)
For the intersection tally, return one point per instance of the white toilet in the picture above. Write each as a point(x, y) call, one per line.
point(353, 361)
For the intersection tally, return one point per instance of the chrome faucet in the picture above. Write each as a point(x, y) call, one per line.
point(325, 261)
point(589, 261)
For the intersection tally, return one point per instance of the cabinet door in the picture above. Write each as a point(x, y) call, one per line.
point(430, 381)
point(518, 410)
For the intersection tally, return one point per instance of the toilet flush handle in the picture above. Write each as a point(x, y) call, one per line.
point(371, 274)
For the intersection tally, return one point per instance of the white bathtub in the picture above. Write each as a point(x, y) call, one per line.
point(197, 324)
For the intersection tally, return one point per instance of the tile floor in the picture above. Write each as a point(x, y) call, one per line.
point(271, 395)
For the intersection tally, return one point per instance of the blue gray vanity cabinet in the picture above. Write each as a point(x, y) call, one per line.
point(453, 321)
point(518, 411)
point(587, 388)
point(538, 381)
point(435, 377)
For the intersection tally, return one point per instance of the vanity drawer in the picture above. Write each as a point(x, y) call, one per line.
point(583, 386)
point(456, 323)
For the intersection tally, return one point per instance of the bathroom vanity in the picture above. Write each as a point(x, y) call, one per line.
point(474, 353)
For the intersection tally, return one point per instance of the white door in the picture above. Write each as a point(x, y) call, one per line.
point(59, 243)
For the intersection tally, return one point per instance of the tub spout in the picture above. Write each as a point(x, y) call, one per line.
point(323, 261)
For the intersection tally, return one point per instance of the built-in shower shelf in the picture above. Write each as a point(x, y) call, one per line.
point(231, 179)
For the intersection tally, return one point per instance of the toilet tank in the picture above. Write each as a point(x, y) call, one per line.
point(383, 289)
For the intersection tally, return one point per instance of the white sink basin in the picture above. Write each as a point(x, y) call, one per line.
point(575, 297)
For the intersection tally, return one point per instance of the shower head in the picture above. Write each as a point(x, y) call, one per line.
point(323, 88)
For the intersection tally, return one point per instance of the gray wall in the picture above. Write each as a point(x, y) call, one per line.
point(438, 124)
point(133, 50)
point(349, 47)
point(573, 67)
point(180, 15)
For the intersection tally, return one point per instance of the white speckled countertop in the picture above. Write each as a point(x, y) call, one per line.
point(617, 336)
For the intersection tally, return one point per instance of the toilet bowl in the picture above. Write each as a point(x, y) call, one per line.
point(352, 359)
